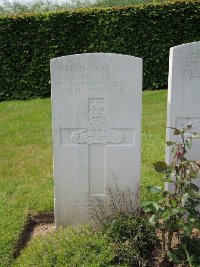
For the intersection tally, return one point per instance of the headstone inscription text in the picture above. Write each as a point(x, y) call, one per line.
point(184, 95)
point(96, 100)
point(192, 64)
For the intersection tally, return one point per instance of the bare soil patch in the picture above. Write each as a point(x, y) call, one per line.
point(42, 229)
point(39, 224)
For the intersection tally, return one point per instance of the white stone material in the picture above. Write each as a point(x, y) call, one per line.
point(184, 95)
point(96, 102)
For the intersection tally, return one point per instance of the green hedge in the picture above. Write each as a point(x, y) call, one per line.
point(27, 43)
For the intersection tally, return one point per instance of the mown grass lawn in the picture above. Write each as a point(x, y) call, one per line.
point(26, 180)
point(154, 117)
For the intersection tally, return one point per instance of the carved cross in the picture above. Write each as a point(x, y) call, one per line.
point(97, 135)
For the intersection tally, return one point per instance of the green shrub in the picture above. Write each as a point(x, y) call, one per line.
point(188, 252)
point(175, 214)
point(27, 43)
point(70, 247)
point(134, 239)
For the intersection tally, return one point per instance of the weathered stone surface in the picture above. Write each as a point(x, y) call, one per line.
point(184, 95)
point(96, 102)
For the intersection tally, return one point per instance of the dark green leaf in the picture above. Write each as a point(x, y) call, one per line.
point(184, 198)
point(152, 219)
point(193, 174)
point(154, 189)
point(194, 216)
point(174, 151)
point(189, 126)
point(148, 208)
point(173, 257)
point(170, 143)
point(146, 203)
point(175, 211)
point(165, 193)
point(160, 166)
point(156, 207)
point(166, 214)
point(176, 131)
point(188, 228)
point(193, 186)
point(188, 142)
point(194, 194)
point(173, 202)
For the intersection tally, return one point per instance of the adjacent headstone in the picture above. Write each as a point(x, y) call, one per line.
point(96, 101)
point(184, 95)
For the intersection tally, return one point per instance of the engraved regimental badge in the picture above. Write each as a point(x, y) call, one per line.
point(98, 130)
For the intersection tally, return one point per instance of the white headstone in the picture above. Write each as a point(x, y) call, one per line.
point(184, 95)
point(96, 100)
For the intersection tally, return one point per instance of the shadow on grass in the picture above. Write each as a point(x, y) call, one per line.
point(27, 233)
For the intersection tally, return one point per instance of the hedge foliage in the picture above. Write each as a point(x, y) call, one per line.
point(27, 43)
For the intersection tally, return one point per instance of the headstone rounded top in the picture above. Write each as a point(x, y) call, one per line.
point(184, 46)
point(100, 54)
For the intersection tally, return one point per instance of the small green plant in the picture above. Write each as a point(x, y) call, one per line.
point(119, 217)
point(134, 240)
point(118, 202)
point(188, 251)
point(175, 213)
